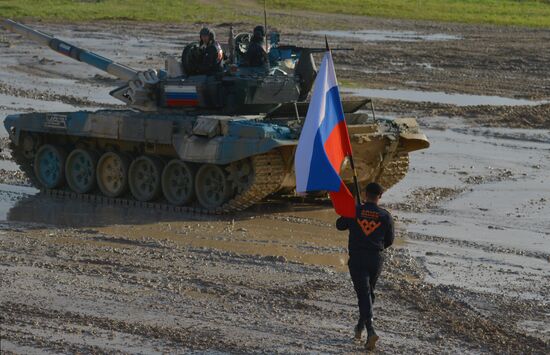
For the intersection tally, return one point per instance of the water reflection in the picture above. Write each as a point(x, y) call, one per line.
point(27, 205)
point(443, 98)
point(389, 36)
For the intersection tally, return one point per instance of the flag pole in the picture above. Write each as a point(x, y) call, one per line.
point(355, 182)
point(350, 156)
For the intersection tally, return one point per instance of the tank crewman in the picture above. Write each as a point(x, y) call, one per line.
point(211, 53)
point(370, 233)
point(256, 55)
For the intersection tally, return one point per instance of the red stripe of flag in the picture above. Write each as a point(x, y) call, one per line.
point(337, 145)
point(182, 102)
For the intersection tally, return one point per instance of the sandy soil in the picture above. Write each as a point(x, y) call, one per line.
point(467, 273)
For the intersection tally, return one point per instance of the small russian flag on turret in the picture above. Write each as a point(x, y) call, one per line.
point(177, 96)
point(324, 143)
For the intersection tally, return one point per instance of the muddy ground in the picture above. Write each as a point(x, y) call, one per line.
point(468, 273)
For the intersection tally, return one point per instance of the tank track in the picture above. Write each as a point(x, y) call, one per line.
point(268, 169)
point(269, 172)
point(24, 164)
point(394, 171)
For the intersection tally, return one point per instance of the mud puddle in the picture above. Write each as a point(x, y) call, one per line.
point(302, 233)
point(388, 36)
point(530, 135)
point(28, 206)
point(442, 97)
point(8, 165)
point(10, 195)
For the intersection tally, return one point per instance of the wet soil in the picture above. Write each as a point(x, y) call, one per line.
point(463, 277)
point(467, 273)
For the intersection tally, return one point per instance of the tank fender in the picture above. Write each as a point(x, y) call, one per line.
point(237, 139)
point(413, 141)
point(410, 136)
point(223, 149)
point(10, 124)
point(207, 127)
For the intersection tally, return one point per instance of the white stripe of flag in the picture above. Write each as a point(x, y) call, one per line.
point(184, 89)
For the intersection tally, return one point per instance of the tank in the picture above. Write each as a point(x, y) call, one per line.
point(213, 144)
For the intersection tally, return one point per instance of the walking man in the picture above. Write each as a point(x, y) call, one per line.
point(370, 233)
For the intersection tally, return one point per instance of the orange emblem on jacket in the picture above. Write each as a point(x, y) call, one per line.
point(368, 226)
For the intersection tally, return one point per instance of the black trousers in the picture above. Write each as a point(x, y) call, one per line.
point(365, 268)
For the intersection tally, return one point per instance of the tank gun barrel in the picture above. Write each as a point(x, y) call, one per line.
point(120, 71)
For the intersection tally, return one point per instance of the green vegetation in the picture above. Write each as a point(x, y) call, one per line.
point(534, 13)
point(133, 10)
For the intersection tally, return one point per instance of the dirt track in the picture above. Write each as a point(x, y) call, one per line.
point(467, 274)
point(107, 292)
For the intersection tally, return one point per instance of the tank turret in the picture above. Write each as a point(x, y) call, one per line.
point(237, 90)
point(232, 92)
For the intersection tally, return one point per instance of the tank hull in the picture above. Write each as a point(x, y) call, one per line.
point(214, 164)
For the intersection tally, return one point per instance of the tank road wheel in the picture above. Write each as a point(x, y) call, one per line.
point(212, 186)
point(49, 164)
point(29, 145)
point(80, 170)
point(112, 174)
point(240, 175)
point(178, 182)
point(144, 178)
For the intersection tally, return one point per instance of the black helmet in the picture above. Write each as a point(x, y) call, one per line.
point(374, 189)
point(205, 31)
point(259, 31)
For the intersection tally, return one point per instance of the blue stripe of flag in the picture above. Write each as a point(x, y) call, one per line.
point(329, 179)
point(333, 113)
point(181, 95)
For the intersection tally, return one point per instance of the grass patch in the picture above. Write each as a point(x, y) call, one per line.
point(133, 10)
point(350, 84)
point(532, 13)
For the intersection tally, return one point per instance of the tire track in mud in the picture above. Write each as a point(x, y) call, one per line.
point(59, 259)
point(35, 94)
point(452, 309)
point(448, 312)
point(488, 247)
point(194, 338)
point(485, 116)
point(117, 270)
point(28, 339)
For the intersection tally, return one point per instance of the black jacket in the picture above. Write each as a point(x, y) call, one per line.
point(372, 230)
point(255, 55)
point(211, 59)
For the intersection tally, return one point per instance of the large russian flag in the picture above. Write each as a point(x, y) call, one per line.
point(324, 143)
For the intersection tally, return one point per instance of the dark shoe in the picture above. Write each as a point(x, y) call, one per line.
point(372, 338)
point(358, 330)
